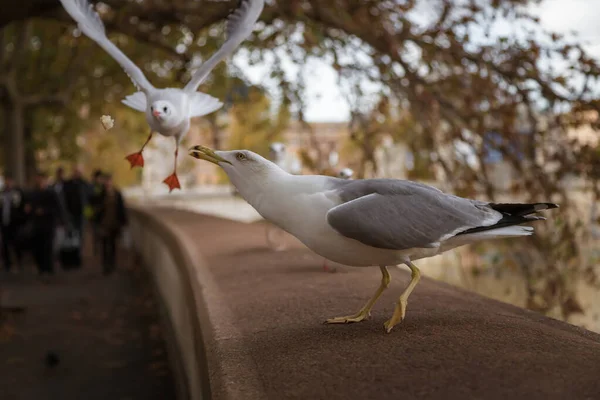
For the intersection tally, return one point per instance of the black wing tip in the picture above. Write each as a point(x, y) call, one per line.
point(545, 206)
point(514, 214)
point(521, 209)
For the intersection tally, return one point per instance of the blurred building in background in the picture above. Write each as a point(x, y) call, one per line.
point(394, 159)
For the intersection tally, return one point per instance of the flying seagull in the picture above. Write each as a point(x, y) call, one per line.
point(369, 222)
point(168, 111)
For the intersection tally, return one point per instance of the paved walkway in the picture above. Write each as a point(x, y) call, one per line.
point(267, 310)
point(82, 336)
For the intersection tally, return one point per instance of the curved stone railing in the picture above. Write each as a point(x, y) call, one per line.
point(165, 257)
point(244, 322)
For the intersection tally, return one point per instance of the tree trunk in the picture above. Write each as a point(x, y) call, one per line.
point(14, 141)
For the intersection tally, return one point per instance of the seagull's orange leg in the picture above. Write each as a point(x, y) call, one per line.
point(400, 310)
point(137, 159)
point(172, 181)
point(365, 312)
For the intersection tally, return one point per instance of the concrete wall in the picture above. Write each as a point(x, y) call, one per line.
point(168, 263)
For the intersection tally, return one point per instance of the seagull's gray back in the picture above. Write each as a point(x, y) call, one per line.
point(398, 214)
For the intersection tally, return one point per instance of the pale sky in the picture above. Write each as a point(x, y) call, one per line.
point(326, 103)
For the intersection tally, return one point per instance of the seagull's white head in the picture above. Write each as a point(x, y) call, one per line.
point(165, 113)
point(248, 171)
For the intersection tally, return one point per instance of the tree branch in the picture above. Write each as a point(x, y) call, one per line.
point(204, 11)
point(195, 15)
point(147, 38)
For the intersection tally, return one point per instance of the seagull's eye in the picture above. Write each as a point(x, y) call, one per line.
point(165, 109)
point(240, 156)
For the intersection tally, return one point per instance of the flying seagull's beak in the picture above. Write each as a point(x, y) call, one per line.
point(204, 153)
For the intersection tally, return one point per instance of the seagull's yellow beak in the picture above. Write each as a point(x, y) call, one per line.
point(204, 153)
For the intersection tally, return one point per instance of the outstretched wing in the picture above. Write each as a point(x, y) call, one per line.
point(91, 25)
point(202, 104)
point(137, 101)
point(239, 26)
point(400, 215)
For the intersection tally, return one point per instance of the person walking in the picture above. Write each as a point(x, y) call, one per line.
point(75, 194)
point(45, 210)
point(12, 206)
point(58, 186)
point(59, 183)
point(111, 217)
point(94, 202)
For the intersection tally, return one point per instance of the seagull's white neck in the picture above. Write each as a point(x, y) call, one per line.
point(273, 194)
point(256, 186)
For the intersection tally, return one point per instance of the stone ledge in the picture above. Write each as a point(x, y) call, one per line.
point(249, 326)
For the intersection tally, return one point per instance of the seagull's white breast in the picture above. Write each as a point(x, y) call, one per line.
point(180, 101)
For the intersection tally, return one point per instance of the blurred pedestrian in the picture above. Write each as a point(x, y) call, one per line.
point(76, 197)
point(112, 218)
point(12, 208)
point(59, 181)
point(43, 206)
point(76, 192)
point(95, 197)
point(58, 186)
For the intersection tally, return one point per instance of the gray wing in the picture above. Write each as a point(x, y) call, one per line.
point(239, 26)
point(399, 215)
point(91, 25)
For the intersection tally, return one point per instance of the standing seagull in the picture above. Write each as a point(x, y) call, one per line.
point(369, 222)
point(276, 236)
point(345, 173)
point(168, 111)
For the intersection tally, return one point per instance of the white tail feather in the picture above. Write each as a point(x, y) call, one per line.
point(507, 231)
point(504, 232)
